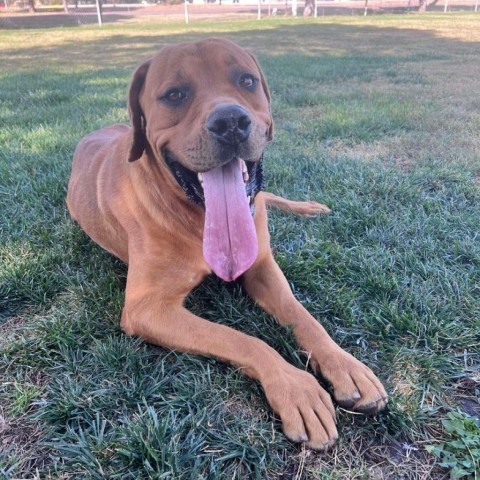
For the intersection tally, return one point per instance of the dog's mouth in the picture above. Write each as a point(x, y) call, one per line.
point(227, 194)
point(192, 182)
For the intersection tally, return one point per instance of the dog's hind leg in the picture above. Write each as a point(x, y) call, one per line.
point(305, 209)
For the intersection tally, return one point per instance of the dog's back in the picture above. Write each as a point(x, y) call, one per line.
point(86, 199)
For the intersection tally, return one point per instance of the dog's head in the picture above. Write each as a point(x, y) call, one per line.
point(199, 106)
point(204, 109)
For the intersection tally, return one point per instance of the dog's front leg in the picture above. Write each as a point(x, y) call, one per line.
point(354, 385)
point(153, 310)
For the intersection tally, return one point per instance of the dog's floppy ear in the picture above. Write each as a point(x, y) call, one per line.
point(267, 94)
point(139, 136)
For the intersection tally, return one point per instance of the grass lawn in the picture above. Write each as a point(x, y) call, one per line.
point(377, 117)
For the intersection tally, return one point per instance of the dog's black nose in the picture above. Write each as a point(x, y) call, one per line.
point(229, 124)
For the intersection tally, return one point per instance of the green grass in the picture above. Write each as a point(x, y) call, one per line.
point(375, 117)
point(461, 453)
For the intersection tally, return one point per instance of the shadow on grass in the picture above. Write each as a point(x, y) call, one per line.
point(126, 49)
point(88, 15)
point(83, 17)
point(59, 20)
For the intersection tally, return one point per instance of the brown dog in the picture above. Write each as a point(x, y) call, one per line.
point(178, 196)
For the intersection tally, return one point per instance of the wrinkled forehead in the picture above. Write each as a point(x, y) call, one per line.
point(203, 61)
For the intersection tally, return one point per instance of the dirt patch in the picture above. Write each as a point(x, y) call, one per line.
point(403, 461)
point(9, 329)
point(466, 395)
point(393, 459)
point(19, 441)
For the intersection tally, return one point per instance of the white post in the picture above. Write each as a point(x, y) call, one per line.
point(446, 7)
point(315, 11)
point(476, 6)
point(294, 8)
point(366, 8)
point(259, 10)
point(186, 11)
point(99, 12)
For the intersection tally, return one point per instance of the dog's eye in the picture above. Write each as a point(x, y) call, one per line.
point(174, 96)
point(248, 81)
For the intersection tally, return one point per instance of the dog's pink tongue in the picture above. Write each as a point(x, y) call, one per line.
point(229, 239)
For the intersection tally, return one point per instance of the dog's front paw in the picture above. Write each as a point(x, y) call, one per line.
point(305, 408)
point(355, 386)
